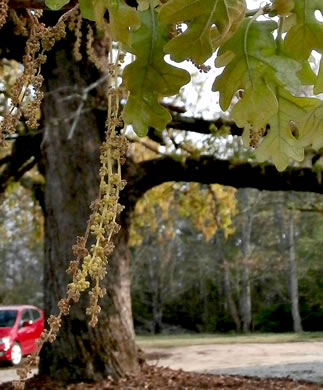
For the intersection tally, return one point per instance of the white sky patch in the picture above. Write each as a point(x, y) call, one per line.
point(318, 15)
point(197, 96)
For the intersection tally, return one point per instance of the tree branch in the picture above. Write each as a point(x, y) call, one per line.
point(207, 169)
point(202, 126)
point(25, 155)
point(37, 188)
point(5, 160)
point(36, 4)
point(147, 146)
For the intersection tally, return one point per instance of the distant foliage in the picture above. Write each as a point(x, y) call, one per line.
point(185, 274)
point(21, 247)
point(208, 207)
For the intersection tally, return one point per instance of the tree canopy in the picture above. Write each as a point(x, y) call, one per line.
point(267, 73)
point(267, 63)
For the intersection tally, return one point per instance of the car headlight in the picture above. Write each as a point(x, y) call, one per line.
point(6, 342)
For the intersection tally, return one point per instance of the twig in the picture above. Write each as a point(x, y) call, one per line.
point(83, 97)
point(147, 146)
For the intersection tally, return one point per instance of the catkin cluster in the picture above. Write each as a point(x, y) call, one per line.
point(103, 223)
point(26, 94)
point(102, 226)
point(3, 11)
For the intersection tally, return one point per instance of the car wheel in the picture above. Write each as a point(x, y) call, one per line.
point(16, 354)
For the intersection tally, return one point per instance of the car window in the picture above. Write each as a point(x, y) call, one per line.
point(25, 316)
point(35, 314)
point(7, 318)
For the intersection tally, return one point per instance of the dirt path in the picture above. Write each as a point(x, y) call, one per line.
point(9, 374)
point(294, 360)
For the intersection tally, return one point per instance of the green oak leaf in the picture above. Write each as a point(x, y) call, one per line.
point(149, 77)
point(56, 4)
point(87, 9)
point(282, 7)
point(306, 75)
point(280, 144)
point(307, 32)
point(209, 24)
point(254, 110)
point(252, 65)
point(146, 4)
point(123, 19)
point(93, 10)
point(318, 85)
point(265, 77)
point(99, 8)
point(235, 12)
point(311, 128)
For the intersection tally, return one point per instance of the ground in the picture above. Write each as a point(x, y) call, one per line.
point(298, 360)
point(242, 361)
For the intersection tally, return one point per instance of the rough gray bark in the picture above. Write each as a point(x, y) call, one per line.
point(71, 173)
point(292, 274)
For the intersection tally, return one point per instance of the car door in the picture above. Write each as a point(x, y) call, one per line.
point(37, 326)
point(25, 331)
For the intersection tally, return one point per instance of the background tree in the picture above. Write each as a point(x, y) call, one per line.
point(214, 307)
point(21, 247)
point(157, 219)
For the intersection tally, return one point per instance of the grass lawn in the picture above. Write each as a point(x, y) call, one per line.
point(180, 340)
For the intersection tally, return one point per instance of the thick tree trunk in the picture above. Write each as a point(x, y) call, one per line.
point(71, 171)
point(292, 275)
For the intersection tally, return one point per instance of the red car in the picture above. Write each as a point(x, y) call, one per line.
point(20, 327)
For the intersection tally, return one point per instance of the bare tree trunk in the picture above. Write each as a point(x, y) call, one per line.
point(157, 312)
point(286, 245)
point(226, 281)
point(71, 172)
point(228, 292)
point(292, 275)
point(245, 301)
point(245, 298)
point(155, 270)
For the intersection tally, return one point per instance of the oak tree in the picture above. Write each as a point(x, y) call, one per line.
point(60, 109)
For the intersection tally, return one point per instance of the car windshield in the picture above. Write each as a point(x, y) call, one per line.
point(7, 318)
